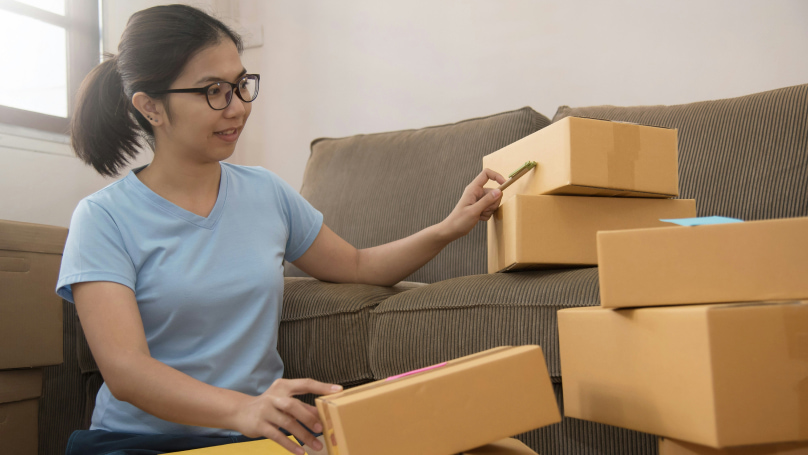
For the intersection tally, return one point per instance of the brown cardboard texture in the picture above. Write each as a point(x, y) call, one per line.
point(587, 157)
point(19, 410)
point(260, 447)
point(463, 404)
point(508, 446)
point(737, 262)
point(674, 447)
point(30, 310)
point(561, 231)
point(718, 375)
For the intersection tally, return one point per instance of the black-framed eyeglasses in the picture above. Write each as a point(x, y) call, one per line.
point(220, 94)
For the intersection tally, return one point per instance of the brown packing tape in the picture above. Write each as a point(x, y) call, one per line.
point(796, 329)
point(623, 156)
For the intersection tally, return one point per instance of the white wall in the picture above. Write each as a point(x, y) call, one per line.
point(41, 181)
point(361, 66)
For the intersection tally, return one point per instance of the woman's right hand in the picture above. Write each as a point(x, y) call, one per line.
point(277, 408)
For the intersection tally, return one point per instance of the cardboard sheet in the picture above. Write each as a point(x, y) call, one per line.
point(587, 157)
point(718, 375)
point(465, 404)
point(529, 232)
point(262, 447)
point(737, 262)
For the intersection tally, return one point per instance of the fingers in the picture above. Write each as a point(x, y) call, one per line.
point(288, 413)
point(311, 409)
point(291, 414)
point(489, 201)
point(303, 435)
point(487, 213)
point(303, 386)
point(295, 410)
point(486, 175)
point(488, 204)
point(276, 435)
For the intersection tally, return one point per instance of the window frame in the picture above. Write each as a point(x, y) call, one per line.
point(81, 24)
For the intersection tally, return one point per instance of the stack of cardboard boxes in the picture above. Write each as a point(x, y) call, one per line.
point(702, 336)
point(539, 225)
point(30, 327)
point(717, 352)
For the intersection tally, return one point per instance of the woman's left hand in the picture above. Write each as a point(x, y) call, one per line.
point(475, 205)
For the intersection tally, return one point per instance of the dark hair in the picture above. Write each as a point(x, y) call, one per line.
point(106, 130)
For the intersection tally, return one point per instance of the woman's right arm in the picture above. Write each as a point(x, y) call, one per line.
point(114, 330)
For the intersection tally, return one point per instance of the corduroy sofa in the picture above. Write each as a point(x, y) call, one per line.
point(745, 157)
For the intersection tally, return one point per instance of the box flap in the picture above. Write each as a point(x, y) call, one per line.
point(18, 385)
point(417, 374)
point(508, 446)
point(35, 238)
point(620, 121)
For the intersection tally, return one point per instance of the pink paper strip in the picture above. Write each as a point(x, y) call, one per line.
point(416, 371)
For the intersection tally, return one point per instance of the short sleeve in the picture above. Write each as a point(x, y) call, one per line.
point(94, 251)
point(303, 220)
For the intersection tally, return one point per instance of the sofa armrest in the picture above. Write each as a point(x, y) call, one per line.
point(324, 328)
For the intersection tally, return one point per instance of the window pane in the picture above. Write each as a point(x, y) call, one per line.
point(33, 70)
point(54, 6)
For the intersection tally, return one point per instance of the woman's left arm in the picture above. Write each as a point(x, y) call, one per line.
point(330, 258)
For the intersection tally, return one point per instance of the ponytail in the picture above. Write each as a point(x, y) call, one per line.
point(106, 130)
point(103, 133)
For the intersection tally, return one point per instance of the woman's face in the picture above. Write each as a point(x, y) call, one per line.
point(195, 131)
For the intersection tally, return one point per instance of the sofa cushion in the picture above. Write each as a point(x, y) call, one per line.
point(743, 157)
point(461, 316)
point(324, 328)
point(377, 188)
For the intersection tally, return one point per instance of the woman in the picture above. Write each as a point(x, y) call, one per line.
point(176, 269)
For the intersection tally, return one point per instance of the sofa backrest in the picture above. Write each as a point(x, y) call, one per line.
point(377, 188)
point(743, 157)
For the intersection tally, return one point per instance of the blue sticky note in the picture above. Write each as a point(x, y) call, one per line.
point(701, 221)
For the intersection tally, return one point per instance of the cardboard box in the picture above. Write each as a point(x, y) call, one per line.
point(445, 409)
point(717, 375)
point(673, 447)
point(739, 262)
point(586, 157)
point(19, 410)
point(559, 231)
point(30, 310)
point(509, 446)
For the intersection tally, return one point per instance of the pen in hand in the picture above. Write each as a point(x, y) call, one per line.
point(517, 174)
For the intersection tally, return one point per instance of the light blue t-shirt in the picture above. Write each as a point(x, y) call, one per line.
point(209, 290)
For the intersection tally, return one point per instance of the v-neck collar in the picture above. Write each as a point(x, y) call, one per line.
point(208, 222)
